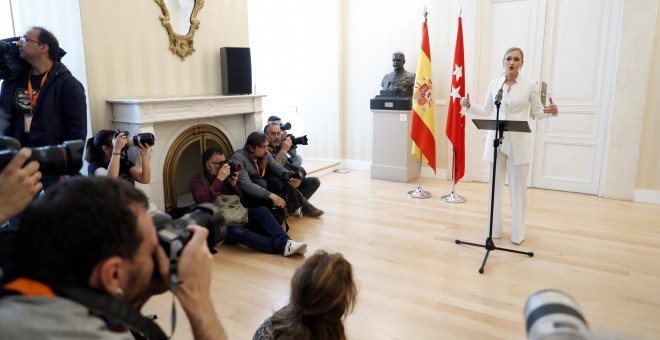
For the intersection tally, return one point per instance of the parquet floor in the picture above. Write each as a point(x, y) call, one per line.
point(416, 283)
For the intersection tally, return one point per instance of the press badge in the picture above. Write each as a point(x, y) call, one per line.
point(27, 122)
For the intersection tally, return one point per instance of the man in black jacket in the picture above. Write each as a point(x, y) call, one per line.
point(46, 105)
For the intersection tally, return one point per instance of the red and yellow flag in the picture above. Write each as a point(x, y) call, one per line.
point(455, 120)
point(423, 125)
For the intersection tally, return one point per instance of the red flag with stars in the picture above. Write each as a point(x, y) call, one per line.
point(455, 120)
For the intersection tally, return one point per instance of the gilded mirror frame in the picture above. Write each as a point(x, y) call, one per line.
point(181, 45)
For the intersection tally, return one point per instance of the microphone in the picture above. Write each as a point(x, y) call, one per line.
point(498, 97)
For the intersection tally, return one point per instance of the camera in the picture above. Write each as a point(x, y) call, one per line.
point(145, 138)
point(174, 235)
point(11, 64)
point(285, 126)
point(233, 167)
point(551, 314)
point(288, 174)
point(54, 160)
point(295, 141)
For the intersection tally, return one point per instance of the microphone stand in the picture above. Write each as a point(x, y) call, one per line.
point(490, 245)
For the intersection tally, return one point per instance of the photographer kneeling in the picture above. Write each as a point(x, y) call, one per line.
point(106, 154)
point(262, 232)
point(279, 145)
point(94, 235)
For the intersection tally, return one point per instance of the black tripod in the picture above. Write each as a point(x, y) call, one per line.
point(499, 127)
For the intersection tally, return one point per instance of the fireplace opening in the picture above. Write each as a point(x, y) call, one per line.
point(184, 159)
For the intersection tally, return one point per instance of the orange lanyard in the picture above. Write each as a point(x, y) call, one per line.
point(263, 169)
point(33, 99)
point(29, 287)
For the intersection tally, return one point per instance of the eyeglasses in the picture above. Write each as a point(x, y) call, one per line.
point(217, 163)
point(263, 146)
point(24, 39)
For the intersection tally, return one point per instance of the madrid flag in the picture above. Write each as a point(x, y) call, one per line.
point(422, 125)
point(455, 120)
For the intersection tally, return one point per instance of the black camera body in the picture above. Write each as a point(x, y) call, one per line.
point(54, 160)
point(174, 235)
point(295, 141)
point(233, 167)
point(295, 173)
point(285, 127)
point(145, 138)
point(11, 64)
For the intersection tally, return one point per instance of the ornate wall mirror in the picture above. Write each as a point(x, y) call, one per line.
point(179, 18)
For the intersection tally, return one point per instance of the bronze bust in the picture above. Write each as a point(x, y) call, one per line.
point(399, 82)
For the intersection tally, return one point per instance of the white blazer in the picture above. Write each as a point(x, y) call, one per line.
point(516, 103)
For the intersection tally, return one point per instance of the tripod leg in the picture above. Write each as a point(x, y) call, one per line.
point(483, 264)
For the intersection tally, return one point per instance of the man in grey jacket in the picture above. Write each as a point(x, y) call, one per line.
point(261, 178)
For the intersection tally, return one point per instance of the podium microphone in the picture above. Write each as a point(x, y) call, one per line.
point(498, 97)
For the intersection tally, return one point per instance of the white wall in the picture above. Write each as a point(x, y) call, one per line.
point(295, 62)
point(321, 61)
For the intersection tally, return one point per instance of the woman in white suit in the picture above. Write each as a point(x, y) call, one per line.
point(515, 152)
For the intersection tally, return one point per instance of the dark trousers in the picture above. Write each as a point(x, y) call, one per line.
point(262, 232)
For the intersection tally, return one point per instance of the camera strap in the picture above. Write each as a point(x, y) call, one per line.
point(114, 310)
point(111, 309)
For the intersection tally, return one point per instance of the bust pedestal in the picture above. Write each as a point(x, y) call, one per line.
point(392, 160)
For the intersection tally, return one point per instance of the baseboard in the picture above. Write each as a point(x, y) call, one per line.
point(647, 196)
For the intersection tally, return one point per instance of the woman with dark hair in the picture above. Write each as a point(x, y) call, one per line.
point(262, 232)
point(323, 292)
point(106, 155)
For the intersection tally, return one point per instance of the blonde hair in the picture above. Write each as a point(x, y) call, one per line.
point(511, 49)
point(322, 294)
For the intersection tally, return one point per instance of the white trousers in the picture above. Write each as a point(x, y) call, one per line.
point(517, 175)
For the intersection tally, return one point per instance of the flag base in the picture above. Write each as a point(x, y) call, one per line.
point(419, 193)
point(453, 198)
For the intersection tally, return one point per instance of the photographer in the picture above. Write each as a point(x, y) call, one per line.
point(45, 105)
point(18, 184)
point(106, 155)
point(291, 153)
point(279, 145)
point(262, 232)
point(56, 250)
point(261, 178)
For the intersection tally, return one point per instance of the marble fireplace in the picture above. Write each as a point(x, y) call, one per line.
point(184, 127)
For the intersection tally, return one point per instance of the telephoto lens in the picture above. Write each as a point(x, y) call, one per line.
point(54, 160)
point(553, 315)
point(145, 138)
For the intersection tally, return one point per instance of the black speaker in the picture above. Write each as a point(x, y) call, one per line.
point(236, 69)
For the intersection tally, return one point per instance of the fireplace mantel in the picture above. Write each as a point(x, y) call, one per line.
point(166, 109)
point(168, 117)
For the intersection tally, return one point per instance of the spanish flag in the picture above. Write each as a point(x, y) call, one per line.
point(422, 125)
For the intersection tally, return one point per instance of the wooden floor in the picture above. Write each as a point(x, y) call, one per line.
point(416, 283)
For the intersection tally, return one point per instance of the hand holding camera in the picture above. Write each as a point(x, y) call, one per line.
point(295, 182)
point(286, 145)
point(140, 140)
point(18, 184)
point(119, 142)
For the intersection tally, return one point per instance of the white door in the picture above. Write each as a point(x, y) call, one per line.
point(569, 45)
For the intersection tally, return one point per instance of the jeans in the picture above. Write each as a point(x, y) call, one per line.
point(262, 232)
